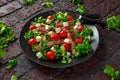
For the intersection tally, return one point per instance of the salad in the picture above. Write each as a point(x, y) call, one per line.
point(59, 37)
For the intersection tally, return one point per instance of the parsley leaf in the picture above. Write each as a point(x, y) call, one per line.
point(81, 9)
point(47, 3)
point(11, 63)
point(29, 2)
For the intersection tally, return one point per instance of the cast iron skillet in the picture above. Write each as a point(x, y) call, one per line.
point(55, 64)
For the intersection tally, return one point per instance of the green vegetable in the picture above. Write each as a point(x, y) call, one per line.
point(47, 3)
point(11, 64)
point(76, 1)
point(6, 35)
point(81, 9)
point(109, 71)
point(84, 48)
point(86, 32)
point(29, 2)
point(114, 23)
point(14, 77)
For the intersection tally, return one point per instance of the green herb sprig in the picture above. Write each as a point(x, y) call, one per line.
point(48, 3)
point(28, 2)
point(14, 77)
point(76, 1)
point(114, 23)
point(6, 35)
point(11, 63)
point(109, 71)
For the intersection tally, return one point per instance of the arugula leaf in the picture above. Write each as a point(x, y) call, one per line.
point(114, 23)
point(76, 1)
point(11, 63)
point(81, 9)
point(48, 3)
point(29, 2)
point(6, 35)
point(109, 71)
point(14, 77)
point(86, 32)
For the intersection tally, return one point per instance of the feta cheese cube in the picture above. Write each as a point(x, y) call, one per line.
point(52, 48)
point(66, 40)
point(57, 30)
point(48, 21)
point(78, 23)
point(38, 38)
point(68, 54)
point(37, 25)
point(65, 24)
point(75, 27)
point(47, 27)
point(39, 55)
point(50, 32)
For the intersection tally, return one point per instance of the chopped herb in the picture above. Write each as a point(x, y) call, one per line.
point(14, 77)
point(28, 2)
point(76, 1)
point(11, 64)
point(6, 35)
point(81, 9)
point(114, 23)
point(109, 71)
point(47, 3)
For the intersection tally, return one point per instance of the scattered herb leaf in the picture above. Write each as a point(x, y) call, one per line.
point(114, 23)
point(29, 2)
point(11, 64)
point(81, 9)
point(48, 3)
point(76, 1)
point(14, 77)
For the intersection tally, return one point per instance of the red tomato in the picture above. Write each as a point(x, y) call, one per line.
point(70, 18)
point(55, 37)
point(66, 46)
point(63, 33)
point(81, 28)
point(32, 27)
point(32, 41)
point(50, 55)
point(50, 17)
point(79, 40)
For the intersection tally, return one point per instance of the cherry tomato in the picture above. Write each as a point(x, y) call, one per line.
point(79, 40)
point(50, 55)
point(32, 41)
point(63, 33)
point(70, 18)
point(66, 46)
point(55, 37)
point(81, 28)
point(50, 17)
point(32, 27)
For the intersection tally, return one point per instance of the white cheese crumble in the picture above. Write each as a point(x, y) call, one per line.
point(52, 48)
point(50, 32)
point(48, 21)
point(39, 55)
point(78, 23)
point(68, 54)
point(75, 27)
point(67, 40)
point(65, 24)
point(37, 25)
point(38, 38)
point(57, 30)
point(47, 27)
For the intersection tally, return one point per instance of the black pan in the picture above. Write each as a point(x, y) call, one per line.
point(55, 64)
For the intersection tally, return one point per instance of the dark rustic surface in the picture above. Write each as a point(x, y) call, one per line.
point(16, 14)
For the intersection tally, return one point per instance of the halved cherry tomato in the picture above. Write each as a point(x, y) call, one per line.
point(63, 33)
point(32, 27)
point(79, 40)
point(81, 28)
point(55, 37)
point(70, 18)
point(32, 41)
point(50, 17)
point(50, 55)
point(66, 46)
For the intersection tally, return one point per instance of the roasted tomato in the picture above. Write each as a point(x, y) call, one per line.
point(81, 28)
point(63, 33)
point(32, 27)
point(32, 41)
point(79, 40)
point(50, 17)
point(50, 55)
point(55, 37)
point(66, 46)
point(70, 18)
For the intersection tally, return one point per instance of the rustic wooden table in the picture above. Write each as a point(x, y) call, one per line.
point(16, 14)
